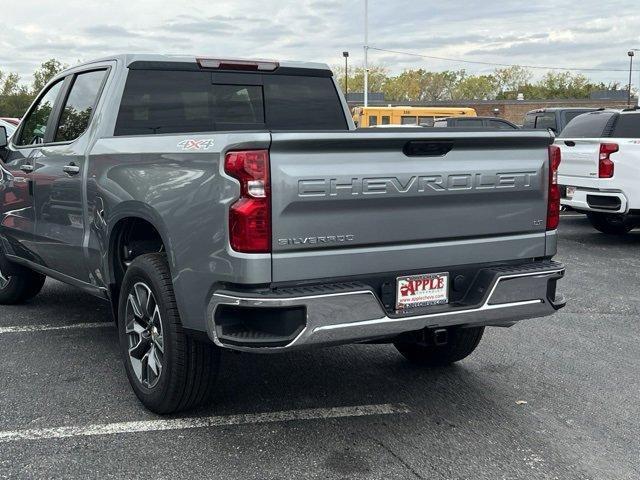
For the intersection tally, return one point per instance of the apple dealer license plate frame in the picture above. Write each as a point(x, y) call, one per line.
point(416, 291)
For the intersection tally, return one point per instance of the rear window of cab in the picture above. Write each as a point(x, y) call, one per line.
point(587, 125)
point(158, 101)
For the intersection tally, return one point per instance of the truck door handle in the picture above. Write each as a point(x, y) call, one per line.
point(26, 168)
point(570, 143)
point(71, 169)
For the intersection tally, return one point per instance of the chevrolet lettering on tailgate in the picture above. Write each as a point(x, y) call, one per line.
point(322, 187)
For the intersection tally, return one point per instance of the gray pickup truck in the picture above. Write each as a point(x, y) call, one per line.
point(232, 204)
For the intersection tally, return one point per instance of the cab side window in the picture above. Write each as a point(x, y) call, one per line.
point(472, 123)
point(35, 125)
point(79, 106)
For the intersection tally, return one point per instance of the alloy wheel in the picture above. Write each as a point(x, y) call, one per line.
point(144, 333)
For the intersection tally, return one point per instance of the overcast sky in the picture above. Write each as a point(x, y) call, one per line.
point(569, 33)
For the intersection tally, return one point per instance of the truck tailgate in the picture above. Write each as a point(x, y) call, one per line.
point(355, 203)
point(579, 157)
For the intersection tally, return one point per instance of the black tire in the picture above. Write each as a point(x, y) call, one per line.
point(22, 285)
point(461, 343)
point(610, 223)
point(188, 367)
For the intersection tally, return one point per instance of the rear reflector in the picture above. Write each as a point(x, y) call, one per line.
point(223, 64)
point(553, 206)
point(605, 164)
point(250, 215)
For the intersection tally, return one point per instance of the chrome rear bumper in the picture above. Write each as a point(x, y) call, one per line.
point(356, 315)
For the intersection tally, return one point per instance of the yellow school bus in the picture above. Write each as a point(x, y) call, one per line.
point(424, 116)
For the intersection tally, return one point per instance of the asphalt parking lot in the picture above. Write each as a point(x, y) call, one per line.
point(66, 409)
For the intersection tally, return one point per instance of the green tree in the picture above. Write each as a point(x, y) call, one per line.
point(378, 77)
point(44, 73)
point(480, 87)
point(510, 80)
point(423, 86)
point(14, 97)
point(561, 85)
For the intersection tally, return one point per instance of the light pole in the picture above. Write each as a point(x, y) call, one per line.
point(366, 53)
point(346, 72)
point(631, 54)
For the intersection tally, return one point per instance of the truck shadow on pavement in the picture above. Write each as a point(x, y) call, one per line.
point(318, 378)
point(343, 375)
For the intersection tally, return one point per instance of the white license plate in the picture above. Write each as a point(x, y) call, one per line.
point(422, 290)
point(571, 191)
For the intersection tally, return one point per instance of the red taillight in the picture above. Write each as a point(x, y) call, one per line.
point(605, 165)
point(250, 216)
point(553, 206)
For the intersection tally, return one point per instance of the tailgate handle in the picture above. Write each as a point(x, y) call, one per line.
point(570, 143)
point(425, 148)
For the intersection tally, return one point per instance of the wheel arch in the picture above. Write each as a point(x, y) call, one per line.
point(148, 231)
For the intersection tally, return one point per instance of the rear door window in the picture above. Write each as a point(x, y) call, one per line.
point(156, 101)
point(79, 106)
point(546, 120)
point(407, 120)
point(529, 121)
point(588, 125)
point(627, 126)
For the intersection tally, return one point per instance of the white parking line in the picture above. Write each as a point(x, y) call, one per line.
point(45, 328)
point(200, 422)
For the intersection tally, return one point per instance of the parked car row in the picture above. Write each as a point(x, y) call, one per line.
point(554, 119)
point(476, 122)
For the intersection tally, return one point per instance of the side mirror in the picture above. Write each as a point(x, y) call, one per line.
point(4, 141)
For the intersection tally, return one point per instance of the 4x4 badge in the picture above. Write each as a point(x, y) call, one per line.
point(195, 144)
